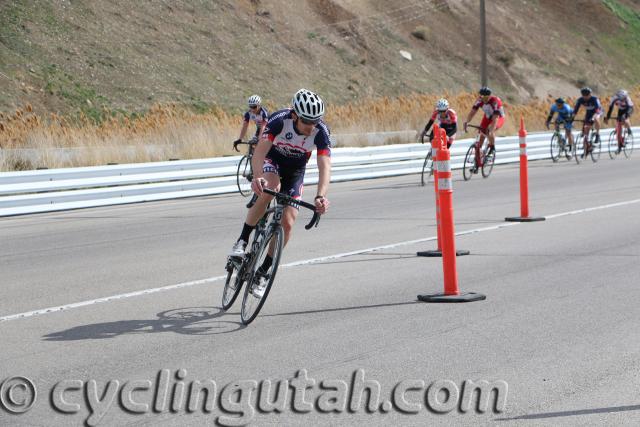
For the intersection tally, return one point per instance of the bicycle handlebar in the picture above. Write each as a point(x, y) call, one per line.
point(288, 200)
point(236, 143)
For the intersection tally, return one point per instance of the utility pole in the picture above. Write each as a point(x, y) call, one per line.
point(483, 42)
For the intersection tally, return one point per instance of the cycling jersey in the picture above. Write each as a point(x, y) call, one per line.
point(592, 107)
point(490, 108)
point(290, 148)
point(259, 118)
point(449, 123)
point(625, 107)
point(565, 115)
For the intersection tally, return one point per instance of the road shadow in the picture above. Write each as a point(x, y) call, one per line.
point(185, 321)
point(329, 310)
point(544, 415)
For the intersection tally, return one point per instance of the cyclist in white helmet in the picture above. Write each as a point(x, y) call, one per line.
point(446, 118)
point(279, 164)
point(258, 114)
point(625, 109)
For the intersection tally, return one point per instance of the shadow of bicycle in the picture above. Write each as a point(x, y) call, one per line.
point(185, 321)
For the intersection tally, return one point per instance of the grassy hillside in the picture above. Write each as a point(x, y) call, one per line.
point(97, 57)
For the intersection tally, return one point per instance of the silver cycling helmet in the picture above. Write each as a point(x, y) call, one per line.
point(622, 93)
point(308, 105)
point(442, 105)
point(254, 100)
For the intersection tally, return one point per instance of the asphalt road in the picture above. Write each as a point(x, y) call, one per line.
point(137, 290)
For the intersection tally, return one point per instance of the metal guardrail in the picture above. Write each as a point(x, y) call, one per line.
point(72, 188)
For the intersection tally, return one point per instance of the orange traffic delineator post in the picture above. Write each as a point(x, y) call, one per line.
point(449, 267)
point(524, 181)
point(435, 142)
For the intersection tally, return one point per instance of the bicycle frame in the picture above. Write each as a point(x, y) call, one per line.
point(481, 151)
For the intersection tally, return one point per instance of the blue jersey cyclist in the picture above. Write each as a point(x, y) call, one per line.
point(279, 163)
point(258, 114)
point(593, 112)
point(564, 116)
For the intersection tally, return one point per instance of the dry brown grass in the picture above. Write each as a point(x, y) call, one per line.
point(176, 132)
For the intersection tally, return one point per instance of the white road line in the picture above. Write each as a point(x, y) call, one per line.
point(111, 298)
point(612, 205)
point(291, 264)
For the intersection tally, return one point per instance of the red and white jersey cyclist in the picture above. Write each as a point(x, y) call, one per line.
point(446, 118)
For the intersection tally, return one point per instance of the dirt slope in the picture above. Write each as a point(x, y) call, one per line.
point(66, 55)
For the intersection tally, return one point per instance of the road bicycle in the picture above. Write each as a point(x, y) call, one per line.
point(559, 144)
point(486, 157)
point(427, 166)
point(626, 145)
point(244, 174)
point(592, 147)
point(245, 272)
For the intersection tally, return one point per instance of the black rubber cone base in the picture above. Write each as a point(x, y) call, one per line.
point(524, 218)
point(437, 253)
point(463, 297)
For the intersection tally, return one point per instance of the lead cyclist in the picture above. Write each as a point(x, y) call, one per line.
point(279, 164)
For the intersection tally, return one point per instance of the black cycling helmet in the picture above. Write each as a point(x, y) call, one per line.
point(560, 101)
point(484, 91)
point(585, 91)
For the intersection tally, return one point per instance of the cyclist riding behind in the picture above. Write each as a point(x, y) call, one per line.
point(279, 163)
point(565, 116)
point(625, 108)
point(492, 120)
point(446, 119)
point(593, 111)
point(258, 114)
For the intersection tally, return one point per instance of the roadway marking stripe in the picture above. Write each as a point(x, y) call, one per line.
point(291, 264)
point(595, 208)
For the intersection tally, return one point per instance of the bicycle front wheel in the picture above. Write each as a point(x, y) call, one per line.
point(613, 145)
point(487, 165)
point(254, 299)
point(595, 147)
point(578, 147)
point(469, 163)
point(555, 147)
point(628, 145)
point(244, 176)
point(427, 169)
point(233, 284)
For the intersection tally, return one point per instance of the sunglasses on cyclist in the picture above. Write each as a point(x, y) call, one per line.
point(253, 107)
point(309, 122)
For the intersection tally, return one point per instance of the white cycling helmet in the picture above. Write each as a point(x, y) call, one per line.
point(622, 93)
point(442, 105)
point(254, 100)
point(308, 105)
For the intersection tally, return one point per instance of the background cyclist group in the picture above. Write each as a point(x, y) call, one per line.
point(494, 115)
point(593, 112)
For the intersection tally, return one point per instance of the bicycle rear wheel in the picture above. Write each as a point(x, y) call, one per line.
point(555, 147)
point(427, 169)
point(596, 147)
point(487, 165)
point(244, 176)
point(252, 303)
point(232, 284)
point(469, 162)
point(578, 147)
point(628, 145)
point(613, 145)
